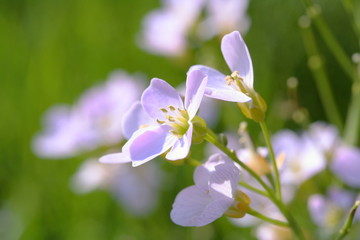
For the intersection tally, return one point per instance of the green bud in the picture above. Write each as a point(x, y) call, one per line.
point(223, 139)
point(199, 131)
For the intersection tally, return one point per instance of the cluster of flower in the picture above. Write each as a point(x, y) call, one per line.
point(166, 30)
point(161, 122)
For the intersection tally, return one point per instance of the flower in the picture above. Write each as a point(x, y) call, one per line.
point(165, 30)
point(215, 193)
point(136, 189)
point(94, 120)
point(328, 211)
point(223, 16)
point(346, 165)
point(233, 88)
point(174, 118)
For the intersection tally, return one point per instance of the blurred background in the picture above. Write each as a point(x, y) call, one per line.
point(53, 51)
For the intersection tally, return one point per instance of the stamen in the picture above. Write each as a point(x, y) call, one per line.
point(159, 121)
point(164, 110)
point(172, 108)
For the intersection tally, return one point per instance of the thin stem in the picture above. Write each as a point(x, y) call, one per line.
point(314, 12)
point(351, 131)
point(347, 225)
point(254, 213)
point(254, 189)
point(272, 157)
point(316, 66)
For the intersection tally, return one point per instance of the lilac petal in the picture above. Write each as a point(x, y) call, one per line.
point(115, 158)
point(346, 165)
point(181, 147)
point(224, 179)
point(237, 56)
point(160, 95)
point(150, 143)
point(195, 87)
point(134, 118)
point(217, 87)
point(193, 207)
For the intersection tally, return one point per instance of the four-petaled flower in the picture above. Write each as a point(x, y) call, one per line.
point(173, 127)
point(237, 86)
point(215, 193)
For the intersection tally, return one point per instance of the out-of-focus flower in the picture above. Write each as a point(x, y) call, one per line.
point(302, 158)
point(346, 165)
point(174, 129)
point(95, 120)
point(329, 211)
point(165, 30)
point(215, 193)
point(223, 16)
point(268, 231)
point(137, 189)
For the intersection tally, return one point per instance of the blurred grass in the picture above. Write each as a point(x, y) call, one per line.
point(51, 51)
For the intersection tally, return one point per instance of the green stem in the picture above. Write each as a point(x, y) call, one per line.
point(212, 138)
point(272, 157)
point(347, 225)
point(314, 12)
point(316, 66)
point(351, 131)
point(254, 189)
point(254, 213)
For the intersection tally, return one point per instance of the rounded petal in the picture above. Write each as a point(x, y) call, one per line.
point(160, 95)
point(134, 118)
point(150, 143)
point(114, 158)
point(181, 147)
point(217, 88)
point(195, 88)
point(346, 165)
point(194, 208)
point(237, 56)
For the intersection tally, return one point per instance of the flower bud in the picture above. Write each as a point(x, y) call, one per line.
point(240, 206)
point(199, 131)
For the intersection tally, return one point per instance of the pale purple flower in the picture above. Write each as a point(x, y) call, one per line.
point(94, 121)
point(231, 88)
point(165, 30)
point(212, 195)
point(328, 211)
point(174, 128)
point(303, 159)
point(267, 231)
point(223, 16)
point(136, 189)
point(325, 136)
point(346, 165)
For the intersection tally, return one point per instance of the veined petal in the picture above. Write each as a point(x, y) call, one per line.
point(237, 56)
point(134, 118)
point(195, 87)
point(160, 95)
point(114, 158)
point(217, 88)
point(193, 207)
point(224, 178)
point(152, 142)
point(181, 147)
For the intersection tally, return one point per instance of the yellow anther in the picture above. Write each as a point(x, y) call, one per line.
point(159, 121)
point(163, 110)
point(172, 108)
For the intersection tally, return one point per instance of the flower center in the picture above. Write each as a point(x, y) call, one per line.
point(240, 206)
point(176, 118)
point(237, 82)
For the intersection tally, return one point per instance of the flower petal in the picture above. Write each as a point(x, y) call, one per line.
point(217, 87)
point(134, 118)
point(160, 95)
point(237, 56)
point(346, 165)
point(150, 143)
point(195, 87)
point(113, 158)
point(181, 147)
point(193, 207)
